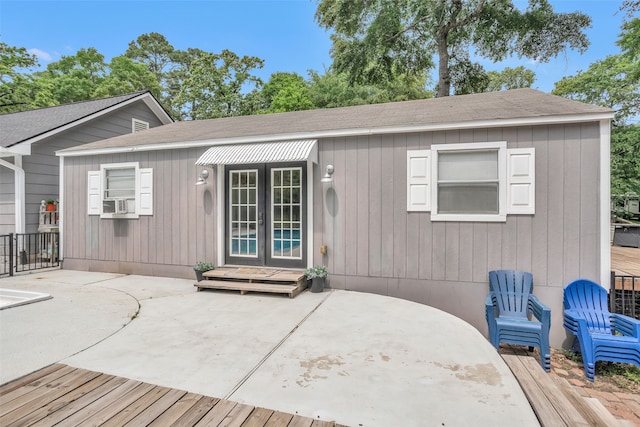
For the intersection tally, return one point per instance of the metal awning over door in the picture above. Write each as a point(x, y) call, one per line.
point(263, 152)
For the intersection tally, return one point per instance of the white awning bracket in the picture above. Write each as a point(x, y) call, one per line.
point(263, 152)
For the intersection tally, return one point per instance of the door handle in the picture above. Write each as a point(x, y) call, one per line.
point(261, 218)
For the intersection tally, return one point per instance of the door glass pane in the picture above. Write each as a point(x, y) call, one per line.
point(286, 230)
point(244, 218)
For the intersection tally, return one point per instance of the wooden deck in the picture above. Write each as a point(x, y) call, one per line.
point(555, 401)
point(625, 261)
point(252, 279)
point(70, 396)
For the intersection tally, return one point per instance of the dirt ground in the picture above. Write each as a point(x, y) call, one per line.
point(573, 371)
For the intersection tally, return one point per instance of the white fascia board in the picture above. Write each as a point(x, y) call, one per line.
point(157, 109)
point(605, 203)
point(143, 97)
point(20, 150)
point(531, 121)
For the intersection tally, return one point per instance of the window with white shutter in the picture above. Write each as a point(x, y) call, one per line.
point(481, 182)
point(120, 190)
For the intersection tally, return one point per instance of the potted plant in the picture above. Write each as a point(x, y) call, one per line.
point(51, 205)
point(201, 267)
point(318, 276)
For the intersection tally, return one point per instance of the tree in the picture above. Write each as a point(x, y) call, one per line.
point(375, 39)
point(625, 159)
point(286, 92)
point(510, 78)
point(612, 82)
point(155, 52)
point(16, 84)
point(333, 89)
point(126, 76)
point(222, 84)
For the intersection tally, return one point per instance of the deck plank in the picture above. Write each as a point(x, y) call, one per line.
point(197, 411)
point(258, 418)
point(81, 403)
point(70, 396)
point(22, 381)
point(54, 404)
point(592, 417)
point(156, 409)
point(176, 410)
point(544, 410)
point(625, 261)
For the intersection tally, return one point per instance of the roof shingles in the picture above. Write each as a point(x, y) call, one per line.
point(514, 104)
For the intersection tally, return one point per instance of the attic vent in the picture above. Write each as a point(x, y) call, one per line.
point(138, 125)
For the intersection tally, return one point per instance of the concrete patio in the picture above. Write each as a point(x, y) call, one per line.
point(355, 358)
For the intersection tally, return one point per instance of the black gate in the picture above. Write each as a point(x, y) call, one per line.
point(624, 296)
point(28, 251)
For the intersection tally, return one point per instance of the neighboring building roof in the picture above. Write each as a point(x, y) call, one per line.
point(26, 126)
point(508, 108)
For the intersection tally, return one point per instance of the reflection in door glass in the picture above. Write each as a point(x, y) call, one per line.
point(286, 226)
point(243, 196)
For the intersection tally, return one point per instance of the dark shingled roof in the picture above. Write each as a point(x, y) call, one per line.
point(22, 126)
point(519, 104)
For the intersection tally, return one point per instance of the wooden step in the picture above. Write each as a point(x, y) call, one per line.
point(253, 274)
point(233, 285)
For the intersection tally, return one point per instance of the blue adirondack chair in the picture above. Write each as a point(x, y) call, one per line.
point(587, 317)
point(507, 309)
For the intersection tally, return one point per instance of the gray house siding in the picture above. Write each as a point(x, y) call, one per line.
point(375, 245)
point(180, 232)
point(42, 166)
point(7, 200)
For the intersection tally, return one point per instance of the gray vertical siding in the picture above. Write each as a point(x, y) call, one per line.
point(7, 200)
point(42, 166)
point(180, 232)
point(375, 245)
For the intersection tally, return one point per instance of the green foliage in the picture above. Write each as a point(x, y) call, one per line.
point(16, 84)
point(127, 76)
point(286, 92)
point(317, 271)
point(510, 78)
point(625, 159)
point(204, 266)
point(375, 40)
point(220, 85)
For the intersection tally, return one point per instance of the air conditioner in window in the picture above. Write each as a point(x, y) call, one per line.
point(121, 206)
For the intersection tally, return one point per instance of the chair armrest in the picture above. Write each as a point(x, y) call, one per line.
point(540, 311)
point(489, 302)
point(625, 325)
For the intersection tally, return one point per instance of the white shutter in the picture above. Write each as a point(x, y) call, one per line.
point(93, 193)
point(144, 197)
point(418, 177)
point(521, 183)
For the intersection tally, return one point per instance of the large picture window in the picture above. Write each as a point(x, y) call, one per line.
point(471, 182)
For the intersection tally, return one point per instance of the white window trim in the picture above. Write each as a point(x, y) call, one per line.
point(136, 124)
point(95, 189)
point(501, 147)
point(272, 222)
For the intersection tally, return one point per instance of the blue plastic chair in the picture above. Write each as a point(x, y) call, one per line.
point(507, 309)
point(587, 316)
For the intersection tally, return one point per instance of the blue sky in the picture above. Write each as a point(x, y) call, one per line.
point(283, 33)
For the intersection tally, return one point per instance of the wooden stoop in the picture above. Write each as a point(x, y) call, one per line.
point(254, 279)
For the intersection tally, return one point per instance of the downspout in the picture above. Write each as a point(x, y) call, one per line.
point(19, 191)
point(61, 211)
point(605, 203)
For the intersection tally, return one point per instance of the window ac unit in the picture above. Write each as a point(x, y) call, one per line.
point(121, 206)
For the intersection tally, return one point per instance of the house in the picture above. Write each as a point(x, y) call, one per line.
point(416, 200)
point(29, 168)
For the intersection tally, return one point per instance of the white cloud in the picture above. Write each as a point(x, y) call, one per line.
point(41, 54)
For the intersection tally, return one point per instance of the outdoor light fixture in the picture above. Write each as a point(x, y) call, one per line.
point(203, 177)
point(328, 176)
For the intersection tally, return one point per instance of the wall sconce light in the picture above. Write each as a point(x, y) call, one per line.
point(203, 177)
point(328, 176)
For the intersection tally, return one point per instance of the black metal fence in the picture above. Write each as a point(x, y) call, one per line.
point(28, 251)
point(624, 296)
